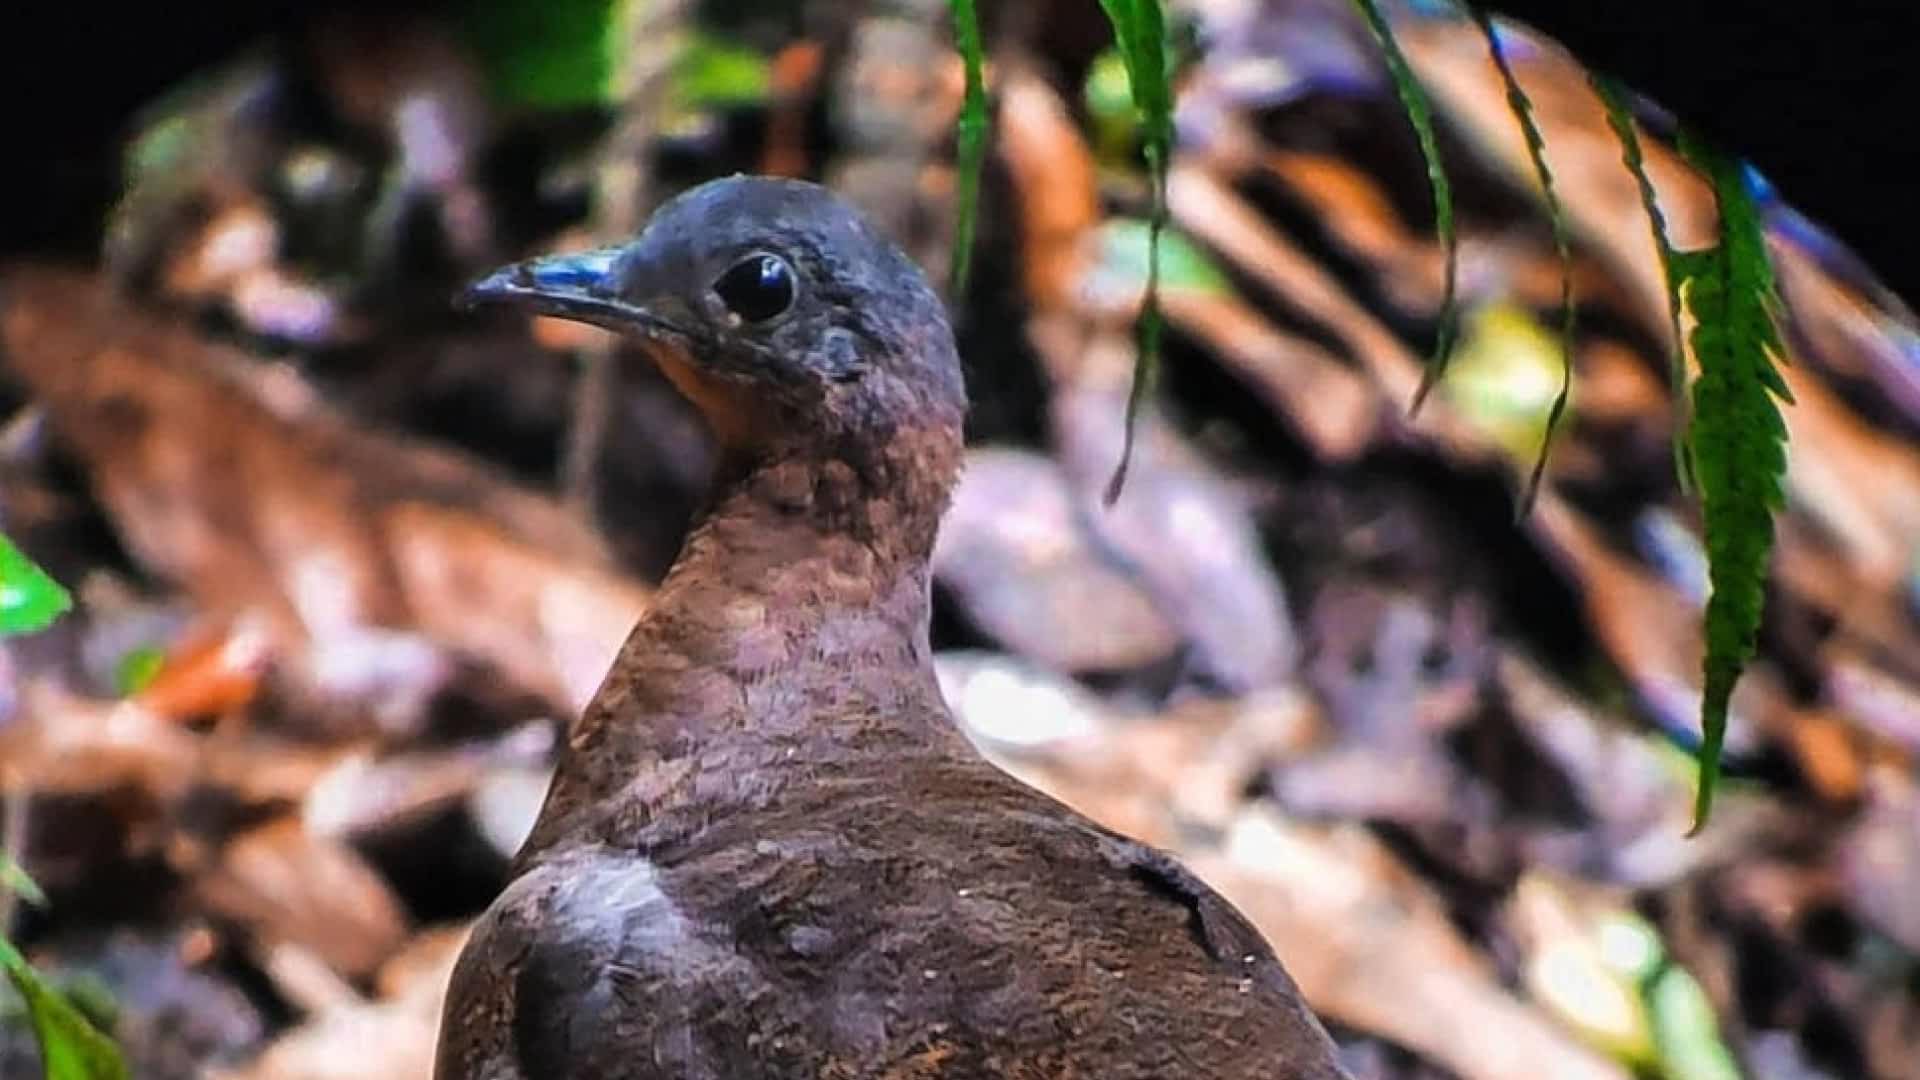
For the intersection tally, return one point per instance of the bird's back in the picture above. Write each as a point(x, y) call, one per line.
point(944, 922)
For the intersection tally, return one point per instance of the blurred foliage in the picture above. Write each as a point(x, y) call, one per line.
point(71, 1048)
point(1604, 971)
point(550, 53)
point(15, 880)
point(972, 141)
point(29, 599)
point(571, 54)
point(714, 73)
point(1127, 252)
point(1506, 379)
point(136, 670)
point(1109, 99)
point(1686, 1030)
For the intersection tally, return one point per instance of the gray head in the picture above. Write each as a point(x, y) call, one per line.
point(785, 317)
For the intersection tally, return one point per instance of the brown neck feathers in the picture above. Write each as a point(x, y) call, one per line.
point(788, 640)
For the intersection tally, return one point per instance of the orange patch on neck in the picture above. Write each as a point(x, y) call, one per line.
point(726, 408)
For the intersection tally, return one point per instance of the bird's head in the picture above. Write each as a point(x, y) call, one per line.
point(781, 314)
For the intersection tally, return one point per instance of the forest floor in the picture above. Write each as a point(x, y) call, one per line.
point(346, 560)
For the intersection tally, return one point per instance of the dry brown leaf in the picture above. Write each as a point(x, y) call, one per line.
point(895, 95)
point(1879, 860)
point(1356, 210)
point(1055, 184)
point(1015, 553)
point(1367, 941)
point(366, 555)
point(794, 77)
point(63, 745)
point(285, 885)
point(1372, 947)
point(1328, 405)
point(391, 1038)
point(1862, 486)
point(1187, 536)
point(209, 672)
point(1208, 209)
point(1648, 628)
point(365, 795)
point(1408, 264)
point(1851, 336)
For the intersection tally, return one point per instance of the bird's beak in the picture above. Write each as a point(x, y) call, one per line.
point(581, 286)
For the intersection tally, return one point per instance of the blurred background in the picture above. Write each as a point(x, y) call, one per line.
point(346, 561)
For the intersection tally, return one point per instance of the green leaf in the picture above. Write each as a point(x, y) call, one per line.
point(29, 599)
point(549, 54)
point(1629, 945)
point(711, 73)
point(972, 148)
point(70, 1047)
point(1522, 108)
point(1140, 29)
point(1614, 99)
point(1127, 250)
point(1738, 437)
point(1109, 97)
point(1506, 378)
point(159, 147)
point(137, 669)
point(1686, 1029)
point(16, 880)
point(1413, 100)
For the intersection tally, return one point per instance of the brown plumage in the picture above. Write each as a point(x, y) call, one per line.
point(768, 851)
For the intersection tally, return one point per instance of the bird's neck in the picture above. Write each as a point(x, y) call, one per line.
point(787, 645)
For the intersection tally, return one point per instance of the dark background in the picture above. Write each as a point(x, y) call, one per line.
point(1820, 96)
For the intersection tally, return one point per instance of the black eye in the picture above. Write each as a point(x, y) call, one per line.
point(757, 287)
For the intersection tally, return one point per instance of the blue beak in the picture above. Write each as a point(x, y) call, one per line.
point(582, 286)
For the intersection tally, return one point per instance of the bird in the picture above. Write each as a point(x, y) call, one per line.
point(768, 850)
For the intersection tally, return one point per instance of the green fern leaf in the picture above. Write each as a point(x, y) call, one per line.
point(1413, 100)
point(549, 54)
point(1738, 438)
point(1140, 29)
point(1522, 108)
point(17, 881)
point(1621, 119)
point(972, 147)
point(29, 599)
point(70, 1047)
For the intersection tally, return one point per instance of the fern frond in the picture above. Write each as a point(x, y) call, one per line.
point(1522, 108)
point(1140, 29)
point(1738, 438)
point(1621, 119)
point(972, 143)
point(1413, 100)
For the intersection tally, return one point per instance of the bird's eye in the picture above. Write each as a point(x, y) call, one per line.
point(757, 288)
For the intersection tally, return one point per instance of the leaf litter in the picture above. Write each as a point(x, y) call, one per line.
point(1440, 757)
